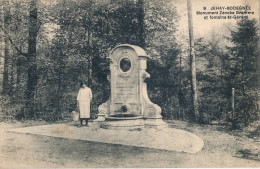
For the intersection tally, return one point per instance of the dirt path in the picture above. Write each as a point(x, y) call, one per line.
point(35, 151)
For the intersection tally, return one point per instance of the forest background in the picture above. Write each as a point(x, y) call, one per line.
point(48, 47)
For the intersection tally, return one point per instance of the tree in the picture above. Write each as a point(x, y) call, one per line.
point(243, 70)
point(8, 51)
point(161, 21)
point(195, 116)
point(141, 27)
point(31, 58)
point(2, 45)
point(211, 86)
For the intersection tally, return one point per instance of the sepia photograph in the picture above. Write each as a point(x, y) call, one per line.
point(129, 84)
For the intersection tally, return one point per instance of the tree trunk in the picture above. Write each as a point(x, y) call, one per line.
point(31, 59)
point(18, 70)
point(90, 45)
point(195, 112)
point(7, 52)
point(140, 18)
point(90, 52)
point(180, 87)
point(12, 76)
point(2, 46)
point(59, 90)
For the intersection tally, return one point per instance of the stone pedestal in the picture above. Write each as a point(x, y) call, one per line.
point(129, 106)
point(123, 123)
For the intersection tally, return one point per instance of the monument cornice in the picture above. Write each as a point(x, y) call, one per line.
point(139, 51)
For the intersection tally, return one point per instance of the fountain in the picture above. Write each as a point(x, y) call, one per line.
point(129, 106)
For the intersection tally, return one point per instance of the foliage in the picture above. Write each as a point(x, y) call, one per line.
point(210, 77)
point(160, 27)
point(73, 41)
point(243, 71)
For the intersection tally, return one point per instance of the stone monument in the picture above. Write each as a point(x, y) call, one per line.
point(129, 106)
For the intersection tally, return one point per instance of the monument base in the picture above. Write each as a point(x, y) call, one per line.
point(156, 123)
point(129, 123)
point(132, 123)
point(125, 125)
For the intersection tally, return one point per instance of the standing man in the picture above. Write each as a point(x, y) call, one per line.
point(83, 102)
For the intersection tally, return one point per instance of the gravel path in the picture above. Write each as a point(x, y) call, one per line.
point(18, 150)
